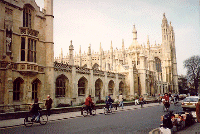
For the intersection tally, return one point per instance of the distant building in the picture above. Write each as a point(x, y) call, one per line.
point(150, 68)
point(28, 70)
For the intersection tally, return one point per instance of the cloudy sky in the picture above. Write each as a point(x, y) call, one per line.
point(93, 21)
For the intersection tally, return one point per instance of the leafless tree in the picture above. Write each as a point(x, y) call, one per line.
point(192, 65)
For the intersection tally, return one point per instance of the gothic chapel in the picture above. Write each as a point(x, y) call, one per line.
point(28, 69)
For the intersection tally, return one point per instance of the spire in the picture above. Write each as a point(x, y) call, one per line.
point(71, 47)
point(100, 50)
point(80, 50)
point(89, 49)
point(111, 47)
point(134, 33)
point(122, 42)
point(61, 51)
point(170, 26)
point(164, 20)
point(148, 43)
point(123, 47)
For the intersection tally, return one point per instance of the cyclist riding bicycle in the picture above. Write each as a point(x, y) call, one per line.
point(109, 102)
point(35, 111)
point(89, 104)
point(166, 100)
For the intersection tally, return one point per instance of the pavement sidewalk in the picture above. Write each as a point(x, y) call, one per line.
point(194, 129)
point(70, 115)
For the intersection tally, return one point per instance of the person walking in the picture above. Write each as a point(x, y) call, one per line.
point(141, 100)
point(121, 103)
point(48, 104)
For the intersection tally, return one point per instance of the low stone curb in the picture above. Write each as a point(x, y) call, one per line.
point(22, 114)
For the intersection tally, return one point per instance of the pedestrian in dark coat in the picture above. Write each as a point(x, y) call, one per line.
point(48, 104)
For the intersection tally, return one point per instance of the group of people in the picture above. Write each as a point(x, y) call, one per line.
point(90, 105)
point(35, 108)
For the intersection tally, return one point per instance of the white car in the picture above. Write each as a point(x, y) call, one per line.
point(190, 102)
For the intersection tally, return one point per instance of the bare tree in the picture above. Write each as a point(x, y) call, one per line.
point(193, 70)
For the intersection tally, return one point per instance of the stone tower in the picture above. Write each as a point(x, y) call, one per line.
point(49, 45)
point(169, 56)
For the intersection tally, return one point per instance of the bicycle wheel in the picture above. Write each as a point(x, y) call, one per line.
point(93, 112)
point(111, 110)
point(85, 113)
point(43, 119)
point(28, 122)
point(105, 111)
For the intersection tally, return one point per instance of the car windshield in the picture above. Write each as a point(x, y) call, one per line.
point(191, 100)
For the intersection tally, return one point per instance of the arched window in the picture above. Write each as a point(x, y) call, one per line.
point(95, 66)
point(111, 87)
point(34, 90)
point(82, 86)
point(60, 86)
point(98, 88)
point(158, 65)
point(85, 66)
point(27, 14)
point(17, 95)
point(121, 87)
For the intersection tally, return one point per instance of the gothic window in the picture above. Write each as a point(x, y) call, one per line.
point(98, 87)
point(111, 87)
point(121, 87)
point(27, 17)
point(22, 49)
point(16, 89)
point(60, 87)
point(34, 90)
point(82, 85)
point(85, 66)
point(158, 65)
point(30, 53)
point(31, 50)
point(95, 66)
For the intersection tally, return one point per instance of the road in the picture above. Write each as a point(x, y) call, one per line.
point(129, 121)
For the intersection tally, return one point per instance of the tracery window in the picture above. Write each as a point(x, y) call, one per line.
point(34, 90)
point(60, 87)
point(16, 89)
point(82, 86)
point(111, 87)
point(31, 50)
point(27, 17)
point(29, 54)
point(158, 65)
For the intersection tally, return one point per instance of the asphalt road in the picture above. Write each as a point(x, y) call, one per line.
point(132, 121)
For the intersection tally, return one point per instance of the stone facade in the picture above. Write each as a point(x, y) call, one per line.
point(28, 69)
point(27, 66)
point(149, 68)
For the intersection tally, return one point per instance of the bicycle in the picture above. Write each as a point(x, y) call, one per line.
point(28, 122)
point(85, 112)
point(166, 106)
point(108, 109)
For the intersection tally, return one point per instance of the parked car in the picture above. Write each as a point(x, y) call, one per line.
point(190, 102)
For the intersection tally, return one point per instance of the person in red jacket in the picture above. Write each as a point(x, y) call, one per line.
point(88, 103)
point(166, 100)
point(166, 97)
